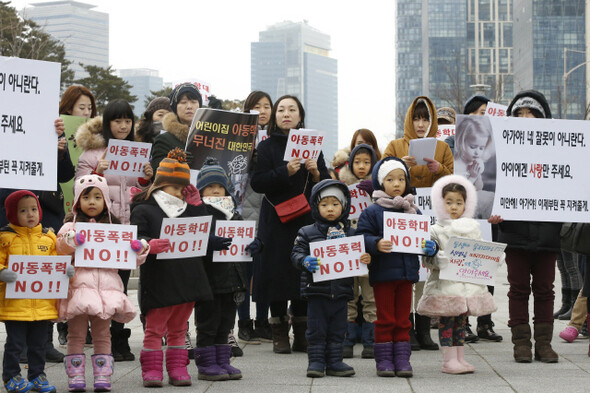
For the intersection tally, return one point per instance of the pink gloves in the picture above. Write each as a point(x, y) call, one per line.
point(191, 195)
point(159, 245)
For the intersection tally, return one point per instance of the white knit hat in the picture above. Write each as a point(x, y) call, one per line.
point(333, 191)
point(387, 167)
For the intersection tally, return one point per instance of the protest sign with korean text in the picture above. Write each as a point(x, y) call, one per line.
point(189, 236)
point(339, 258)
point(359, 201)
point(470, 260)
point(107, 246)
point(127, 158)
point(406, 231)
point(242, 234)
point(29, 93)
point(227, 136)
point(38, 277)
point(304, 144)
point(495, 109)
point(444, 131)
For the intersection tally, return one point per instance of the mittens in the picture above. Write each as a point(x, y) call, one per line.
point(255, 247)
point(311, 263)
point(139, 245)
point(8, 275)
point(219, 243)
point(159, 245)
point(70, 270)
point(74, 239)
point(429, 247)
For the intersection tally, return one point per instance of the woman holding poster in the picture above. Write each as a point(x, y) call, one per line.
point(275, 278)
point(531, 253)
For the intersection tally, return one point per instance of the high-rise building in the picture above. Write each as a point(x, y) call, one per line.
point(549, 31)
point(294, 58)
point(84, 32)
point(143, 81)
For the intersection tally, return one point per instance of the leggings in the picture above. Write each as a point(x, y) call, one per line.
point(451, 331)
point(298, 308)
point(568, 265)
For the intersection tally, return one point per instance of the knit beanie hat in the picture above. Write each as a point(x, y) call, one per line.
point(11, 205)
point(157, 104)
point(447, 114)
point(474, 102)
point(173, 170)
point(530, 103)
point(333, 191)
point(181, 89)
point(387, 167)
point(212, 173)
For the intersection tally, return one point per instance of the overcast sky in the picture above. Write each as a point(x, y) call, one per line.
point(210, 40)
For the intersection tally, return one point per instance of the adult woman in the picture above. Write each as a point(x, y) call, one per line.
point(262, 103)
point(275, 278)
point(185, 99)
point(360, 136)
point(150, 124)
point(421, 122)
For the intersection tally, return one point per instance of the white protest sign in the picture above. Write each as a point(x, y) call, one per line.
point(541, 169)
point(261, 136)
point(29, 93)
point(423, 200)
point(359, 201)
point(339, 258)
point(444, 131)
point(126, 158)
point(304, 144)
point(107, 246)
point(242, 234)
point(204, 88)
point(189, 236)
point(470, 260)
point(39, 277)
point(494, 109)
point(422, 148)
point(406, 231)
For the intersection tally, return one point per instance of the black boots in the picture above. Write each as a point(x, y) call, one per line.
point(120, 345)
point(423, 333)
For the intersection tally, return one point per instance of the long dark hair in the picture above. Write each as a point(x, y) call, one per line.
point(117, 109)
point(253, 99)
point(272, 123)
point(369, 139)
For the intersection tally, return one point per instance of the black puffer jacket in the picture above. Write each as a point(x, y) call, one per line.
point(333, 289)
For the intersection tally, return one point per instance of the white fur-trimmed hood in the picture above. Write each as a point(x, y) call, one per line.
point(438, 201)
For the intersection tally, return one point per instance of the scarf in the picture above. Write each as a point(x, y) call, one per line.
point(172, 206)
point(335, 232)
point(224, 204)
point(406, 203)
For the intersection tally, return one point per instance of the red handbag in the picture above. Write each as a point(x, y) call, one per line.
point(292, 207)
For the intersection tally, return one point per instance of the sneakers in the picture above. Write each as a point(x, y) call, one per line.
point(236, 351)
point(486, 332)
point(188, 345)
point(18, 384)
point(40, 384)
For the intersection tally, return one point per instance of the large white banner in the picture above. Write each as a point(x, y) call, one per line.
point(39, 277)
point(535, 169)
point(29, 100)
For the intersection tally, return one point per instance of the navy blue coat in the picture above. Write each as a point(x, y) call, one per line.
point(316, 232)
point(385, 267)
point(275, 278)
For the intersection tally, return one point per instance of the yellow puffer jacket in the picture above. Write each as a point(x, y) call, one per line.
point(16, 240)
point(420, 175)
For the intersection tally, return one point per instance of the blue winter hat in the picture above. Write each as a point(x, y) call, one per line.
point(212, 173)
point(355, 151)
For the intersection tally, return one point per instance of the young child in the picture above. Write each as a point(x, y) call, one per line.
point(215, 319)
point(472, 150)
point(391, 273)
point(26, 320)
point(95, 296)
point(326, 300)
point(168, 288)
point(360, 166)
point(454, 199)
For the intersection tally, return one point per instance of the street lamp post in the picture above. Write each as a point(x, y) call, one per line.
point(566, 74)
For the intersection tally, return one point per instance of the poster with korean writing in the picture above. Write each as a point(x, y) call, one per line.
point(189, 236)
point(359, 201)
point(127, 158)
point(339, 258)
point(304, 144)
point(71, 123)
point(107, 246)
point(444, 131)
point(495, 109)
point(474, 261)
point(38, 277)
point(541, 169)
point(242, 234)
point(227, 136)
point(406, 231)
point(29, 93)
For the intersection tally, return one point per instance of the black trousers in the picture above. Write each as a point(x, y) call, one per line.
point(214, 319)
point(19, 333)
point(279, 309)
point(326, 321)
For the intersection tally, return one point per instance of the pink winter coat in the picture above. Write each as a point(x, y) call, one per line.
point(89, 138)
point(94, 291)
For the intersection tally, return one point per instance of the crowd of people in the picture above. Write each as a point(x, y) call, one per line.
point(389, 311)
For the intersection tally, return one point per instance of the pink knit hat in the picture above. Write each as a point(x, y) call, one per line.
point(88, 181)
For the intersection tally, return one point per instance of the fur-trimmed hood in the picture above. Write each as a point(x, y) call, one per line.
point(438, 203)
point(171, 124)
point(340, 157)
point(89, 135)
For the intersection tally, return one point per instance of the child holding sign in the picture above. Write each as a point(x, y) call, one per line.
point(454, 199)
point(326, 300)
point(168, 288)
point(391, 273)
point(360, 166)
point(95, 295)
point(26, 320)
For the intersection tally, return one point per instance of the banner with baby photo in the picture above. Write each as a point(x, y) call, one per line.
point(230, 138)
point(535, 169)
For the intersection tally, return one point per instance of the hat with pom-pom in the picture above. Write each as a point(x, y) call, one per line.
point(212, 173)
point(173, 170)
